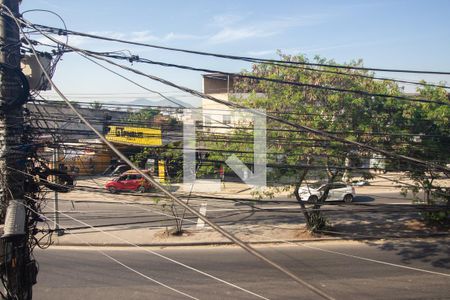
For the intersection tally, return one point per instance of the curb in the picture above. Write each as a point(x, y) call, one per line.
point(229, 243)
point(214, 243)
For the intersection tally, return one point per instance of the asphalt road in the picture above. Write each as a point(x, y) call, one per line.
point(141, 210)
point(87, 274)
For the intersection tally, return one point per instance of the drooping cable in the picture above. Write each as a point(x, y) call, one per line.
point(257, 112)
point(274, 80)
point(242, 58)
point(116, 260)
point(225, 233)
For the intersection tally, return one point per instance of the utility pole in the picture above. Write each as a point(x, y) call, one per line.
point(16, 268)
point(56, 204)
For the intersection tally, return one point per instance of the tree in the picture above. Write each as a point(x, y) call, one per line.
point(298, 157)
point(429, 125)
point(348, 115)
point(95, 105)
point(144, 115)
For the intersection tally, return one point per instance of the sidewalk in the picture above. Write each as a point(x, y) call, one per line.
point(356, 229)
point(191, 236)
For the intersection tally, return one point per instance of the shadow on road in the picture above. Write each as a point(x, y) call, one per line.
point(380, 224)
point(395, 225)
point(434, 252)
point(363, 199)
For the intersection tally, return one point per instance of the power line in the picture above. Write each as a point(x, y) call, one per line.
point(135, 83)
point(275, 142)
point(259, 78)
point(375, 77)
point(175, 128)
point(256, 112)
point(168, 193)
point(405, 208)
point(235, 105)
point(178, 108)
point(139, 85)
point(163, 256)
point(233, 57)
point(119, 262)
point(282, 63)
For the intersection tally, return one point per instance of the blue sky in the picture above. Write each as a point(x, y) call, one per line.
point(385, 33)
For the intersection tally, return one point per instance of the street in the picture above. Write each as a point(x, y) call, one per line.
point(408, 268)
point(82, 209)
point(224, 150)
point(84, 273)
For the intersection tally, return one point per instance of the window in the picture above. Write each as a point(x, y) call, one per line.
point(322, 188)
point(226, 119)
point(338, 186)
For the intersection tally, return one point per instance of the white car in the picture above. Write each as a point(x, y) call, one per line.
point(338, 191)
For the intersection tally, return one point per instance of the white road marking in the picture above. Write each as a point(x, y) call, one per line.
point(202, 210)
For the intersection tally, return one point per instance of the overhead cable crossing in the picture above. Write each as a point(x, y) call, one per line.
point(61, 31)
point(279, 81)
point(225, 233)
point(256, 112)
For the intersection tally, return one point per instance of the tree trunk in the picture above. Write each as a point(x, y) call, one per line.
point(346, 175)
point(314, 219)
point(299, 200)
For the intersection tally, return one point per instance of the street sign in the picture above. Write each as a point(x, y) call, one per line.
point(138, 136)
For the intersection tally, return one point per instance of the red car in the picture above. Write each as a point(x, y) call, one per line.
point(129, 181)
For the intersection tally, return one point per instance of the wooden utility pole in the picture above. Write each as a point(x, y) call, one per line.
point(16, 269)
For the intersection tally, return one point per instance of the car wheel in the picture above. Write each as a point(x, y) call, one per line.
point(141, 189)
point(313, 199)
point(348, 198)
point(112, 190)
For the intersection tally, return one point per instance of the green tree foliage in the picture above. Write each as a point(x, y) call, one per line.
point(430, 126)
point(96, 105)
point(143, 115)
point(347, 115)
point(298, 157)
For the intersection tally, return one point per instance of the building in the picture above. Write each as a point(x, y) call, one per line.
point(55, 125)
point(217, 117)
point(54, 119)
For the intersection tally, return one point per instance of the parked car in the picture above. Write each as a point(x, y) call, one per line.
point(338, 191)
point(116, 170)
point(129, 181)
